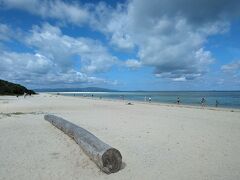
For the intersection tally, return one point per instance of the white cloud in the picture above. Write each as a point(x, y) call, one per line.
point(179, 79)
point(132, 63)
point(233, 67)
point(91, 54)
point(231, 73)
point(9, 33)
point(99, 16)
point(24, 61)
point(23, 65)
point(172, 46)
point(36, 69)
point(57, 9)
point(169, 36)
point(5, 32)
point(56, 59)
point(113, 23)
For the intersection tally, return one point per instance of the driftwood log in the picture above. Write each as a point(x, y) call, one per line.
point(108, 159)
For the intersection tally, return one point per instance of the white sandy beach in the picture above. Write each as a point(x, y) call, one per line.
point(156, 141)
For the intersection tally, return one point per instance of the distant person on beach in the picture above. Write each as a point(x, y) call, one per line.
point(203, 102)
point(145, 98)
point(178, 100)
point(92, 95)
point(217, 103)
point(149, 99)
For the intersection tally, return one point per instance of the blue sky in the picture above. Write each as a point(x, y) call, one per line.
point(125, 45)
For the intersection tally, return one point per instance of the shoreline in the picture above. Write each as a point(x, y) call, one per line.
point(151, 103)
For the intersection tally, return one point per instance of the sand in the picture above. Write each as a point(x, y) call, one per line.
point(156, 141)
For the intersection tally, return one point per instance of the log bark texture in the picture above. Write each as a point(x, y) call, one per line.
point(108, 159)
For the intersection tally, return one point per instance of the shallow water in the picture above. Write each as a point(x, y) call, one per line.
point(228, 99)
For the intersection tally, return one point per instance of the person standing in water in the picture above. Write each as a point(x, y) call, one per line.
point(217, 103)
point(178, 100)
point(149, 99)
point(145, 98)
point(203, 102)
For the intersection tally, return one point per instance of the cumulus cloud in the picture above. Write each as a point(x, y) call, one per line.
point(4, 32)
point(23, 65)
point(231, 73)
point(57, 58)
point(99, 16)
point(57, 9)
point(233, 67)
point(91, 54)
point(195, 12)
point(169, 35)
point(36, 69)
point(132, 63)
point(113, 23)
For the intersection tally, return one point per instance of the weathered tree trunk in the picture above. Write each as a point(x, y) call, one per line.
point(108, 159)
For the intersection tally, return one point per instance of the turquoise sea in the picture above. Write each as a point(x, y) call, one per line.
point(227, 99)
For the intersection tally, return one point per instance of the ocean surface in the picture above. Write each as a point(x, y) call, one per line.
point(226, 99)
